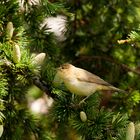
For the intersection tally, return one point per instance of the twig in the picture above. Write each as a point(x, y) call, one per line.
point(107, 59)
point(44, 87)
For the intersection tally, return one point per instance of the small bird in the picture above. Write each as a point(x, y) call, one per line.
point(80, 81)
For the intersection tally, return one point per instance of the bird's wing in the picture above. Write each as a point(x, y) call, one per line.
point(86, 76)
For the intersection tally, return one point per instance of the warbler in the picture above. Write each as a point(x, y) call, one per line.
point(80, 81)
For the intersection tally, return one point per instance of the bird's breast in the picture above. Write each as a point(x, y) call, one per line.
point(80, 88)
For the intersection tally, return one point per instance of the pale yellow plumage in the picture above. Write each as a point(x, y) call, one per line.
point(82, 82)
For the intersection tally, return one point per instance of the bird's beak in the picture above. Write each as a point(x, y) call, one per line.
point(59, 68)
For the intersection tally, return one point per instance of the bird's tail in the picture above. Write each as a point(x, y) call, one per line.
point(117, 89)
point(110, 87)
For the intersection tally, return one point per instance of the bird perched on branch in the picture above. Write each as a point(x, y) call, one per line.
point(80, 81)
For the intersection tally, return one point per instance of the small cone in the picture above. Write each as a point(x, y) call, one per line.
point(39, 59)
point(16, 54)
point(9, 30)
point(83, 116)
point(130, 132)
point(1, 130)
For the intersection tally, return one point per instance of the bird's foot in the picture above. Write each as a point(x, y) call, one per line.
point(82, 102)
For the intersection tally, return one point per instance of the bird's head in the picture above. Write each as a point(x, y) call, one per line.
point(64, 70)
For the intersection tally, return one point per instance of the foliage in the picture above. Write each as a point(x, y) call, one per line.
point(102, 37)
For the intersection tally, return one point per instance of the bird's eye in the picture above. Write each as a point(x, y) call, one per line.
point(63, 67)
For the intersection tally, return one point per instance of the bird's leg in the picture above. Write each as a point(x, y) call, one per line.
point(83, 101)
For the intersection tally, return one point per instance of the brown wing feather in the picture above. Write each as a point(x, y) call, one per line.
point(86, 76)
